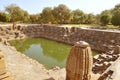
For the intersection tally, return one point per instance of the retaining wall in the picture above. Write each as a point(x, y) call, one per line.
point(100, 40)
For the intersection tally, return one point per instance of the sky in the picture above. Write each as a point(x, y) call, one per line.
point(87, 6)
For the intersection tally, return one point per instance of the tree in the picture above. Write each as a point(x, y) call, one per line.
point(97, 18)
point(61, 14)
point(90, 19)
point(105, 19)
point(16, 13)
point(47, 15)
point(35, 18)
point(116, 19)
point(26, 17)
point(107, 12)
point(117, 7)
point(116, 16)
point(4, 17)
point(78, 17)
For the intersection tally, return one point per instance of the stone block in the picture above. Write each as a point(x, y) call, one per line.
point(1, 55)
point(2, 66)
point(117, 49)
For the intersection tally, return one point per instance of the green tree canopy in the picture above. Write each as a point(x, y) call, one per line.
point(116, 16)
point(47, 15)
point(35, 18)
point(90, 19)
point(78, 17)
point(26, 17)
point(4, 17)
point(116, 19)
point(61, 14)
point(117, 7)
point(105, 19)
point(16, 13)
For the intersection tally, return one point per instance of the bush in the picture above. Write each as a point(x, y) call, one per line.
point(105, 19)
point(116, 19)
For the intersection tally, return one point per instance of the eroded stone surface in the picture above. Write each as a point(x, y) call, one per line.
point(79, 62)
point(102, 40)
point(113, 72)
point(3, 71)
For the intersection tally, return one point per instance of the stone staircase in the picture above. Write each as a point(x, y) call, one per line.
point(102, 61)
point(4, 75)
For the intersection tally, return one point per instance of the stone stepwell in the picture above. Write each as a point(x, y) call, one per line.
point(101, 40)
point(105, 65)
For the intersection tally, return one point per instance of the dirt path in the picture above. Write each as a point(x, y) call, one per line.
point(24, 68)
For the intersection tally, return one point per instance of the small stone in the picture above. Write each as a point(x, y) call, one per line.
point(82, 44)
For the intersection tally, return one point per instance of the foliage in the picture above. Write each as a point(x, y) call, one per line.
point(16, 13)
point(105, 19)
point(4, 17)
point(35, 18)
point(77, 16)
point(26, 17)
point(61, 14)
point(90, 19)
point(97, 18)
point(107, 12)
point(116, 19)
point(47, 15)
point(116, 16)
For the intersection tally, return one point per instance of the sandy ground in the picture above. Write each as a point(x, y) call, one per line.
point(24, 68)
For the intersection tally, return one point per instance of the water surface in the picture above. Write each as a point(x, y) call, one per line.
point(47, 52)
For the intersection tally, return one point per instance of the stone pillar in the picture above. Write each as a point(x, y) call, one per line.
point(79, 62)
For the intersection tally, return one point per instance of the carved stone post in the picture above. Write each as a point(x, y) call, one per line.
point(79, 62)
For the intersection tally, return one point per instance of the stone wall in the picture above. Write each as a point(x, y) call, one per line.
point(100, 40)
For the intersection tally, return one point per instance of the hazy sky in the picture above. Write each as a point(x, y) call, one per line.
point(36, 6)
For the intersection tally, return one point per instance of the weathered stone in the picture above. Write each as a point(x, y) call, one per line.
point(79, 62)
point(113, 72)
point(73, 34)
point(2, 64)
point(117, 49)
point(3, 73)
point(1, 55)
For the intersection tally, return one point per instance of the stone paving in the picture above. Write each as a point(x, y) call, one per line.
point(24, 68)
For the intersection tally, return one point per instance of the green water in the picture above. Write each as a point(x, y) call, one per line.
point(47, 52)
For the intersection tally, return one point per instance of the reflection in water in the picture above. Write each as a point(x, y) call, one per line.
point(47, 52)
